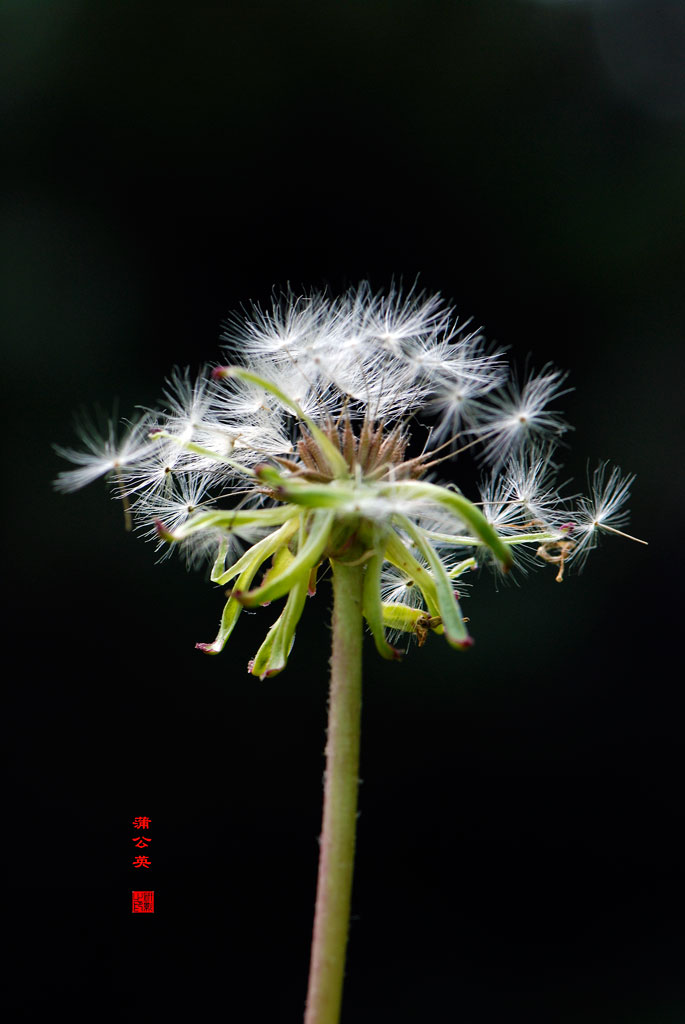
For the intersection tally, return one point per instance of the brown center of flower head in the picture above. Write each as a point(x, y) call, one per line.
point(375, 453)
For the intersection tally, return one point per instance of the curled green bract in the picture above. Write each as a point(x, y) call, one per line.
point(375, 524)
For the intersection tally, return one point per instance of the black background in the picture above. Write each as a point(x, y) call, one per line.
point(519, 850)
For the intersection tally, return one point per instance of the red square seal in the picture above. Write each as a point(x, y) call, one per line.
point(142, 902)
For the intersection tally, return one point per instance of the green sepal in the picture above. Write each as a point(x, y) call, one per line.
point(450, 612)
point(372, 607)
point(397, 553)
point(307, 556)
point(272, 656)
point(311, 495)
point(279, 563)
point(233, 519)
point(463, 540)
point(219, 566)
point(264, 548)
point(245, 569)
point(466, 511)
point(460, 567)
point(233, 608)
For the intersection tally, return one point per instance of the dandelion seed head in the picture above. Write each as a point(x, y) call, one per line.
point(321, 441)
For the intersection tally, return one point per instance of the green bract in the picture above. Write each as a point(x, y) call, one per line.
point(350, 520)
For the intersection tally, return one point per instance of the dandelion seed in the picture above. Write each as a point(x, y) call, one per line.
point(603, 511)
point(103, 454)
point(520, 415)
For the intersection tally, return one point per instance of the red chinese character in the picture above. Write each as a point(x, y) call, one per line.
point(141, 862)
point(141, 822)
point(142, 902)
point(142, 842)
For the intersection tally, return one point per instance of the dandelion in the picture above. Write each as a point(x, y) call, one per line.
point(317, 446)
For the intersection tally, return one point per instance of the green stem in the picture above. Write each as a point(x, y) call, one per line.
point(336, 858)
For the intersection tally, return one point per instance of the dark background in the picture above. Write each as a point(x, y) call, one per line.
point(519, 847)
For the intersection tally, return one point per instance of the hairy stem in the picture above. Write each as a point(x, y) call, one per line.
point(336, 859)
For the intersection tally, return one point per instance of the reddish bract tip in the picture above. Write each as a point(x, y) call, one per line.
point(219, 372)
point(467, 642)
point(162, 531)
point(206, 648)
point(569, 527)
